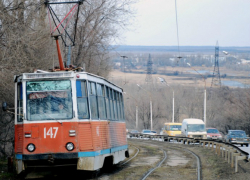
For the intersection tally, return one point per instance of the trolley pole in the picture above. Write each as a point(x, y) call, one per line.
point(59, 53)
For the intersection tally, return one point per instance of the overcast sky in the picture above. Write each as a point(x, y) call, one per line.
point(201, 23)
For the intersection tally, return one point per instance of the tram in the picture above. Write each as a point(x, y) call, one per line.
point(68, 118)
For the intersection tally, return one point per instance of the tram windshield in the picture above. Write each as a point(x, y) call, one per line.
point(49, 100)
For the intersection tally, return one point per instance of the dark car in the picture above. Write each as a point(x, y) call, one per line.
point(237, 137)
point(134, 133)
point(213, 133)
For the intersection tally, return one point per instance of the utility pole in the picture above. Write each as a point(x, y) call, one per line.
point(163, 81)
point(123, 57)
point(205, 93)
point(150, 103)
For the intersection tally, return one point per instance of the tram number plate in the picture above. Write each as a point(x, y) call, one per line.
point(52, 132)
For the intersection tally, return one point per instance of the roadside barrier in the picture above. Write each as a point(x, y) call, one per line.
point(231, 153)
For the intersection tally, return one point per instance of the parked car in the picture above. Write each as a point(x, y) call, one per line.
point(154, 132)
point(134, 133)
point(161, 132)
point(193, 128)
point(237, 137)
point(172, 129)
point(213, 133)
point(146, 132)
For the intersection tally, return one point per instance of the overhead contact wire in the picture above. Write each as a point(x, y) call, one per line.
point(177, 29)
point(70, 17)
point(64, 18)
point(49, 14)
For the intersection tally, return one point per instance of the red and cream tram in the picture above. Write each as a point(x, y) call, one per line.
point(68, 118)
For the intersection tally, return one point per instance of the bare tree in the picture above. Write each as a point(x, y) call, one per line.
point(98, 26)
point(23, 47)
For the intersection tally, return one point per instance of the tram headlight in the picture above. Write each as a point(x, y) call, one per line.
point(70, 146)
point(31, 147)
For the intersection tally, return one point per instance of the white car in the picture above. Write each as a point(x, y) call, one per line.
point(148, 132)
point(154, 132)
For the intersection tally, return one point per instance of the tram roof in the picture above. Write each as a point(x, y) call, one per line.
point(59, 74)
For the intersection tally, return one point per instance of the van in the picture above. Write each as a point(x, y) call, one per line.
point(194, 128)
point(172, 129)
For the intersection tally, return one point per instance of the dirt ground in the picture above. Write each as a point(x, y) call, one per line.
point(179, 164)
point(182, 165)
point(121, 78)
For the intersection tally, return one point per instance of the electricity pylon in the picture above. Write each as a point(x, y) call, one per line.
point(149, 70)
point(216, 74)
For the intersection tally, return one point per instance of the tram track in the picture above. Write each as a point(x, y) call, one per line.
point(158, 165)
point(198, 164)
point(138, 150)
point(152, 160)
point(174, 147)
point(138, 168)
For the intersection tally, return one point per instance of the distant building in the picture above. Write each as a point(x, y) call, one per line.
point(118, 64)
point(244, 61)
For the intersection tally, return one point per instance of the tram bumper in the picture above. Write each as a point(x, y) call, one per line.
point(90, 163)
point(23, 161)
point(19, 166)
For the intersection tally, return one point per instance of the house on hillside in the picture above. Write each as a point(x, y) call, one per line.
point(244, 61)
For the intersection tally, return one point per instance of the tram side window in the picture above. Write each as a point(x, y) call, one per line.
point(101, 101)
point(19, 102)
point(107, 102)
point(118, 105)
point(93, 100)
point(111, 104)
point(82, 100)
point(114, 104)
point(121, 106)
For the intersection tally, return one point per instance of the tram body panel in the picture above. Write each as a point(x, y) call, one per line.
point(118, 131)
point(85, 137)
point(47, 137)
point(52, 137)
point(19, 137)
point(38, 120)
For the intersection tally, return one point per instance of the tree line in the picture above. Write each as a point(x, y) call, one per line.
point(226, 108)
point(166, 59)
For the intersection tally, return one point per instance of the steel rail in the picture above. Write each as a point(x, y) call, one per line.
point(132, 157)
point(199, 169)
point(158, 165)
point(198, 164)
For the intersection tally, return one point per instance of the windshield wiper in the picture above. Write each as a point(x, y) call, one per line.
point(54, 119)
